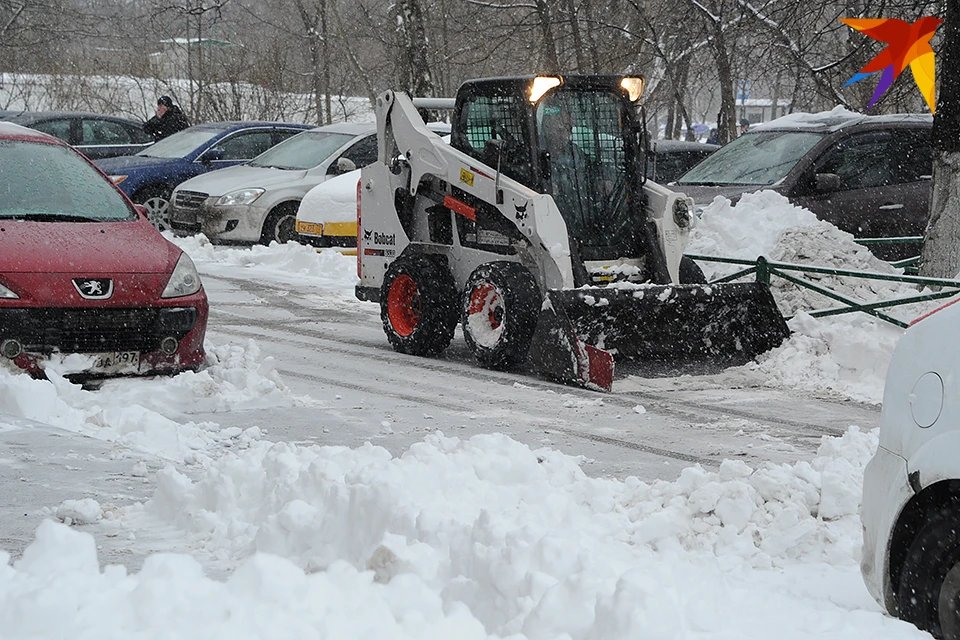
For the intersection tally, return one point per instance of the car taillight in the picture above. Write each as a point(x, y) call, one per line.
point(930, 313)
point(359, 231)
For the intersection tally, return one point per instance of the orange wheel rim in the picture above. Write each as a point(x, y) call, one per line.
point(403, 305)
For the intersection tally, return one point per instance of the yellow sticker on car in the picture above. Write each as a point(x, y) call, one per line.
point(466, 177)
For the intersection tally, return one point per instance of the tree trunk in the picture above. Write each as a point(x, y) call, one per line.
point(941, 250)
point(414, 71)
point(551, 59)
point(575, 33)
point(727, 120)
point(325, 50)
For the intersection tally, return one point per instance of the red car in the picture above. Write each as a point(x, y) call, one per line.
point(83, 271)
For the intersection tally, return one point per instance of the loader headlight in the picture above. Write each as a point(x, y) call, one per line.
point(634, 87)
point(243, 196)
point(681, 213)
point(542, 84)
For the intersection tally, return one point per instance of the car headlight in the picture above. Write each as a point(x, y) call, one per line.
point(243, 196)
point(184, 280)
point(6, 294)
point(117, 179)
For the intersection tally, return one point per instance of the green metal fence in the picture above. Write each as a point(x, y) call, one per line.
point(765, 270)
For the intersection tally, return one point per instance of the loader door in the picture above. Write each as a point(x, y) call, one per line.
point(583, 137)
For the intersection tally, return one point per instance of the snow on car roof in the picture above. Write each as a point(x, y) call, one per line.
point(837, 118)
point(11, 130)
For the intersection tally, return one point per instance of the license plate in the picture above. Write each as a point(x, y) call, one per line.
point(116, 362)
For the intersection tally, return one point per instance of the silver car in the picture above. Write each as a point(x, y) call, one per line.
point(257, 201)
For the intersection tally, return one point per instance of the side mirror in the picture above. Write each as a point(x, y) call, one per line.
point(827, 182)
point(212, 155)
point(345, 165)
point(141, 211)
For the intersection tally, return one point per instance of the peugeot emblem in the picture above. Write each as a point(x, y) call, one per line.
point(94, 288)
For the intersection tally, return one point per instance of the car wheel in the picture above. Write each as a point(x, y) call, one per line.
point(501, 304)
point(690, 272)
point(418, 304)
point(928, 594)
point(157, 203)
point(280, 225)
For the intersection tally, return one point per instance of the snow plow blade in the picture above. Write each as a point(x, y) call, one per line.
point(580, 330)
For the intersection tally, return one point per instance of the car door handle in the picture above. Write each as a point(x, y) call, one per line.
point(891, 206)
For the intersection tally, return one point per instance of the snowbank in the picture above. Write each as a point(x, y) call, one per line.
point(845, 354)
point(142, 414)
point(477, 538)
point(288, 263)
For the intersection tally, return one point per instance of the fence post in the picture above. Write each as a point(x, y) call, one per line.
point(763, 270)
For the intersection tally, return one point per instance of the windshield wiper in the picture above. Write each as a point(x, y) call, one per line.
point(49, 217)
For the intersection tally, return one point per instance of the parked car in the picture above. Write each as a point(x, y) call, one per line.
point(83, 271)
point(867, 175)
point(150, 176)
point(670, 159)
point(911, 486)
point(327, 215)
point(95, 135)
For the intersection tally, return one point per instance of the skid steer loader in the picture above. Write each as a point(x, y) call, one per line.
point(536, 230)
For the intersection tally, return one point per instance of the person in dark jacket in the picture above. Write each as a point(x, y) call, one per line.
point(169, 119)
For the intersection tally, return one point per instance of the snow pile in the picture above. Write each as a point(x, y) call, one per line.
point(478, 538)
point(835, 116)
point(847, 354)
point(488, 531)
point(141, 413)
point(332, 201)
point(325, 269)
point(57, 590)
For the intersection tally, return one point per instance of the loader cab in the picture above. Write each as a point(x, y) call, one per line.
point(574, 137)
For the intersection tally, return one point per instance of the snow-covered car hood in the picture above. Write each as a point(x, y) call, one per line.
point(91, 248)
point(332, 201)
point(704, 195)
point(217, 183)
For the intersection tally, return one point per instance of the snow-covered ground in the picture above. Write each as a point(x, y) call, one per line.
point(479, 536)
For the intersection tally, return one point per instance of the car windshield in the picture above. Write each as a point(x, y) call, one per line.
point(303, 151)
point(180, 144)
point(760, 158)
point(48, 182)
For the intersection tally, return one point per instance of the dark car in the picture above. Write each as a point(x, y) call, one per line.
point(95, 135)
point(83, 271)
point(670, 159)
point(867, 175)
point(150, 177)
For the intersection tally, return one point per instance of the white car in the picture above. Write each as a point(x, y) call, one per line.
point(327, 216)
point(911, 487)
point(258, 201)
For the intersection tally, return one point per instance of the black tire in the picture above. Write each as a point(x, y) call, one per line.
point(928, 594)
point(156, 200)
point(690, 272)
point(280, 225)
point(499, 311)
point(418, 304)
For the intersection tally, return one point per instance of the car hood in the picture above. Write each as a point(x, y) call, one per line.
point(217, 183)
point(704, 195)
point(90, 248)
point(128, 164)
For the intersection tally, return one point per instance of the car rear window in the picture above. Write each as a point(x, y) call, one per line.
point(42, 181)
point(761, 158)
point(302, 152)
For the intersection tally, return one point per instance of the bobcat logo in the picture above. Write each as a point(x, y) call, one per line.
point(521, 214)
point(94, 288)
point(367, 235)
